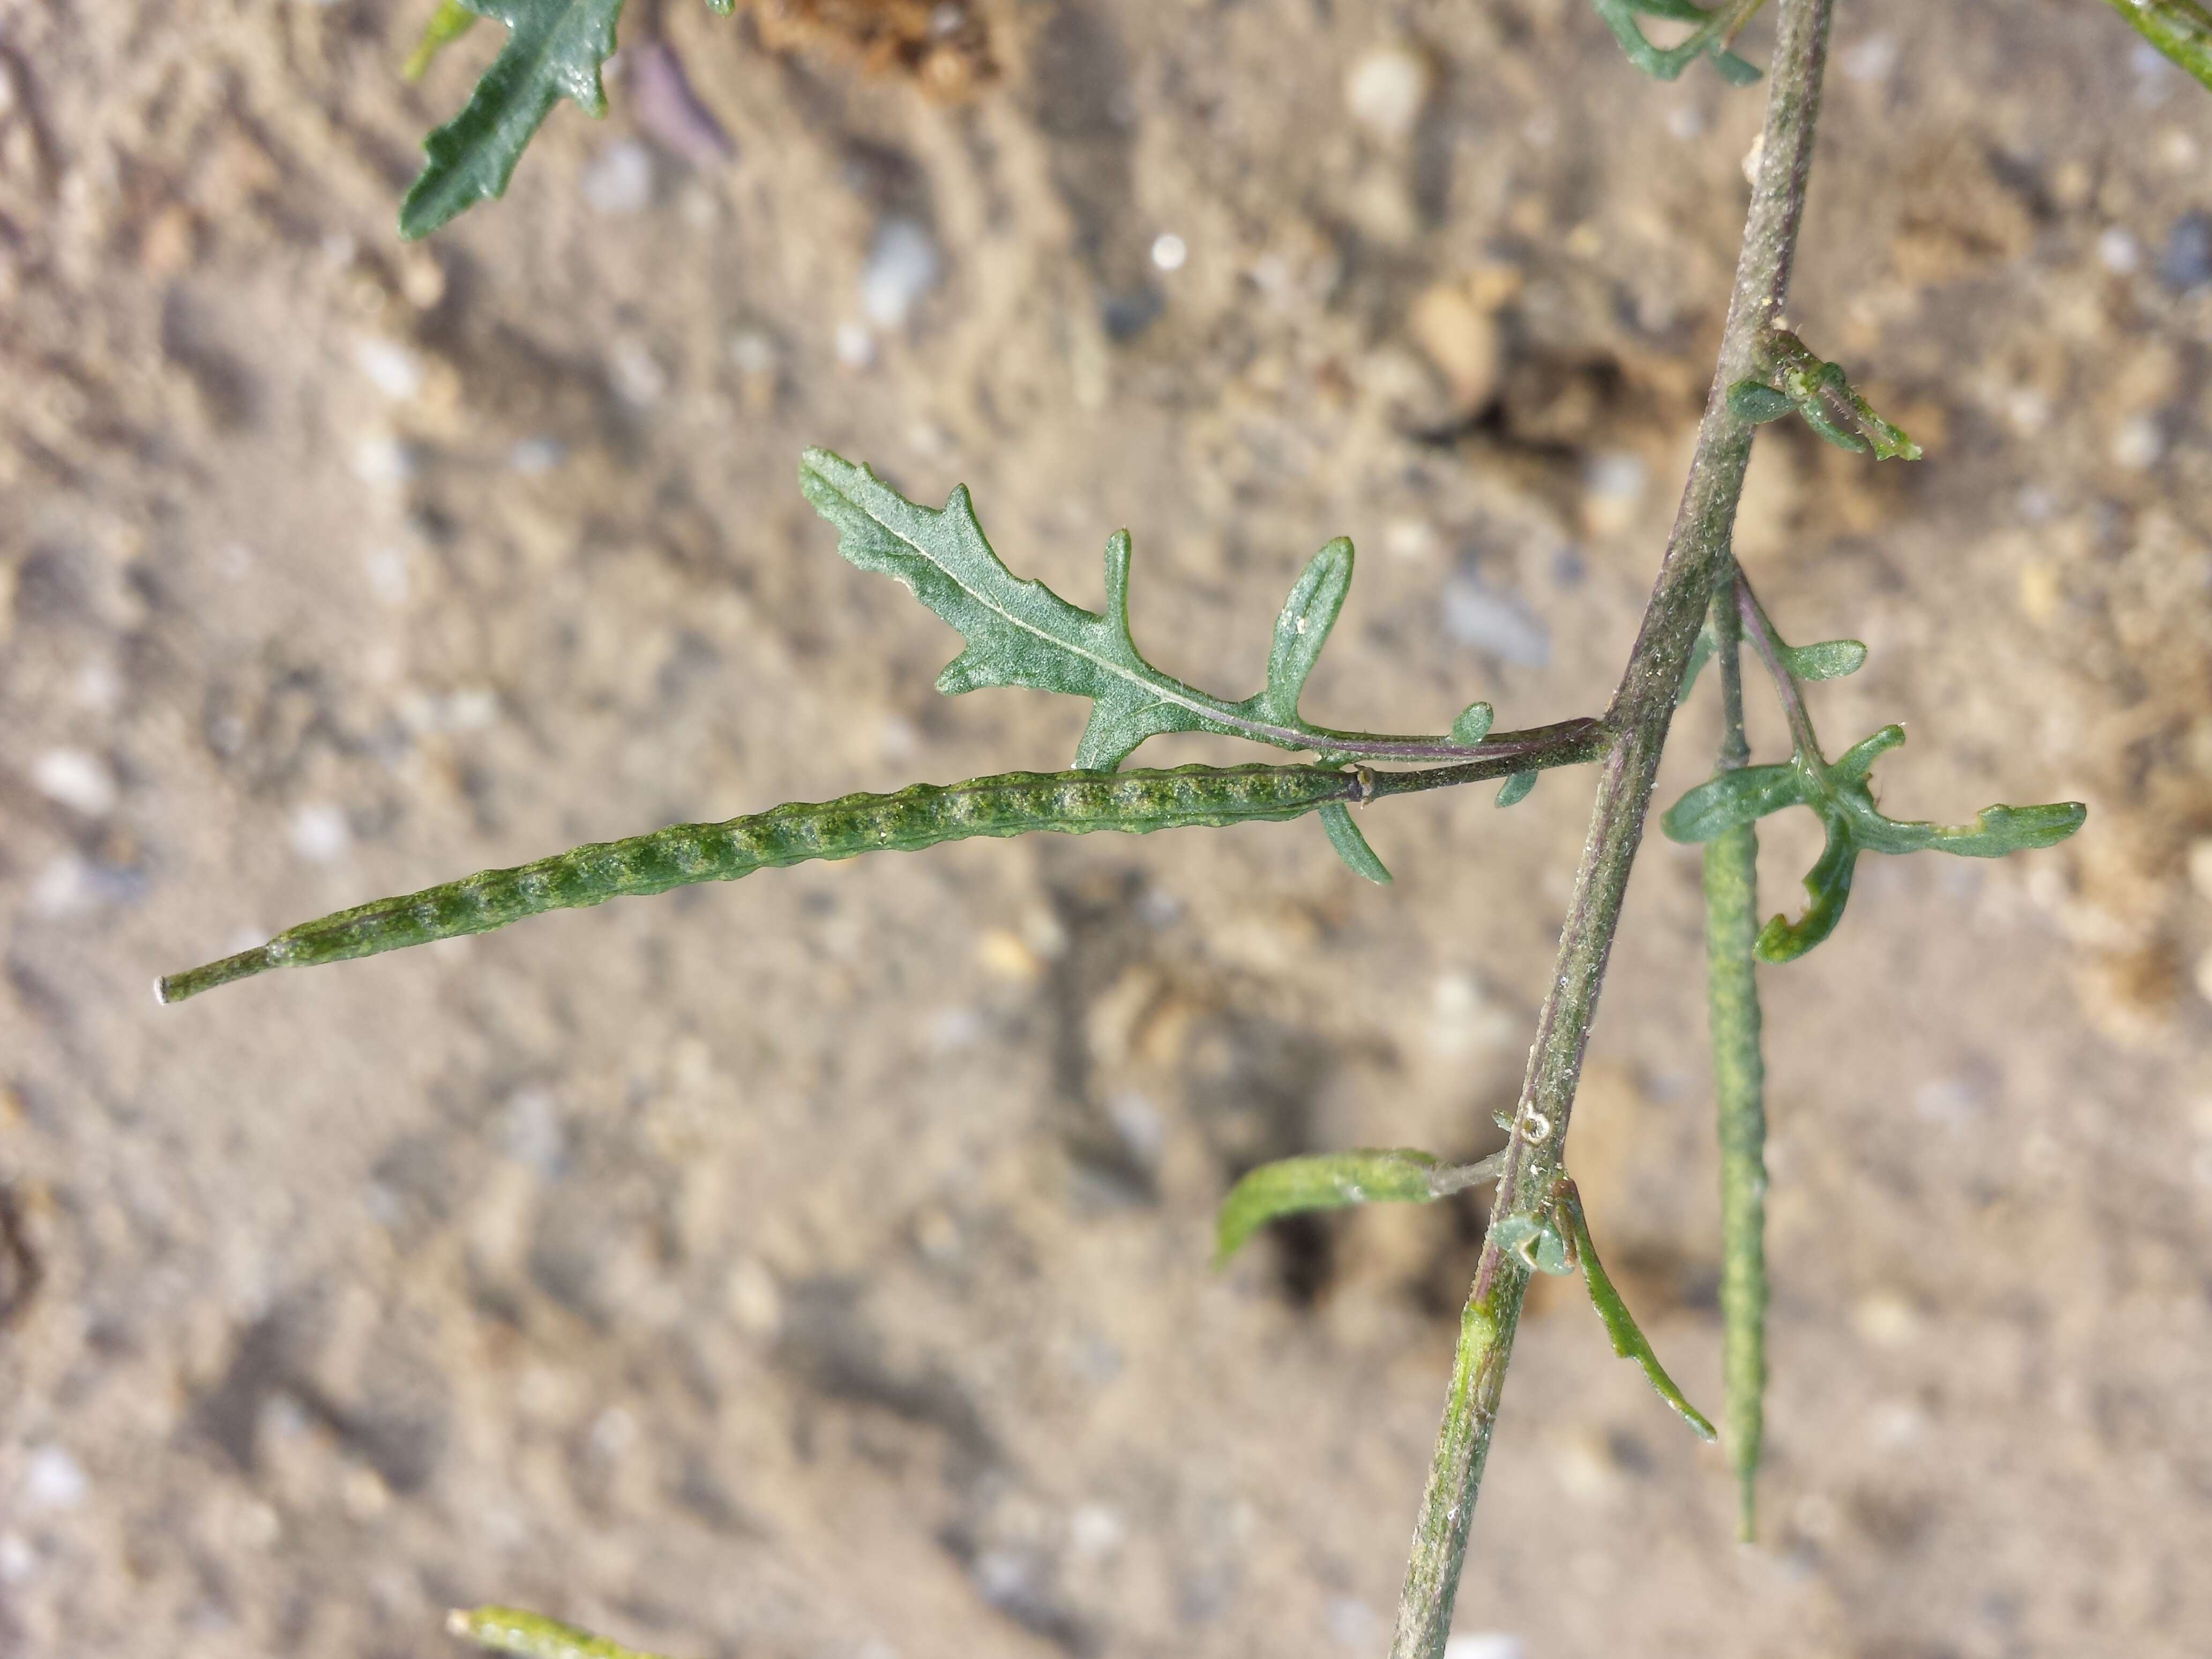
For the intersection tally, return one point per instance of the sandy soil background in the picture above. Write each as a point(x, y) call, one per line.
point(818, 1267)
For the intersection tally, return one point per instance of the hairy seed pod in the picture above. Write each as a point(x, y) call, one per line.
point(1009, 803)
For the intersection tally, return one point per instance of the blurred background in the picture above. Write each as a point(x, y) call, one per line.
point(819, 1266)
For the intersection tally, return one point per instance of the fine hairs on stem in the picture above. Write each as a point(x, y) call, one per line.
point(1017, 632)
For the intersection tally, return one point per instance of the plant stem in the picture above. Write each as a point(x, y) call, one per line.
point(1643, 708)
point(1739, 1081)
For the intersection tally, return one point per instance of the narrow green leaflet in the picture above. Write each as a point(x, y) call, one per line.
point(1628, 1341)
point(1710, 38)
point(1827, 660)
point(532, 1636)
point(1350, 846)
point(1019, 632)
point(1841, 793)
point(1794, 377)
point(1515, 789)
point(553, 51)
point(2182, 29)
point(1331, 1181)
point(447, 24)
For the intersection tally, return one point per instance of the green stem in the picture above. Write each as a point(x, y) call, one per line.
point(1739, 1083)
point(2182, 29)
point(1643, 710)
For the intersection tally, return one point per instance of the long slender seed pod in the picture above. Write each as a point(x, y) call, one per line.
point(1739, 1085)
point(1009, 803)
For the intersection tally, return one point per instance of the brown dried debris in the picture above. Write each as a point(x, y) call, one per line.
point(943, 46)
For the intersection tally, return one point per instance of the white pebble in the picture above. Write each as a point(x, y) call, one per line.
point(1872, 61)
point(856, 347)
point(1352, 1622)
point(387, 574)
point(18, 1560)
point(320, 832)
point(1389, 87)
point(391, 367)
point(1484, 1644)
point(752, 351)
point(1170, 250)
point(52, 1480)
point(2138, 443)
point(68, 886)
point(902, 266)
point(2200, 870)
point(535, 457)
point(637, 376)
point(381, 459)
point(619, 179)
point(77, 779)
point(2120, 251)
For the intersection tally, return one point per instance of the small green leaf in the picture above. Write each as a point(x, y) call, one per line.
point(1793, 375)
point(1474, 724)
point(1830, 659)
point(1628, 1341)
point(553, 51)
point(1536, 1240)
point(1736, 71)
point(1728, 799)
point(532, 1636)
point(1331, 1181)
point(1750, 401)
point(1515, 789)
point(1350, 846)
point(1706, 39)
point(447, 24)
point(1302, 628)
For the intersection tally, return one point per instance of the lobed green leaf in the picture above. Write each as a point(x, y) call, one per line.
point(555, 49)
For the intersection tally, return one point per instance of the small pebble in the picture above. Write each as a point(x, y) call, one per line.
point(619, 179)
point(78, 779)
point(855, 346)
point(1352, 1622)
point(52, 1480)
point(535, 457)
point(1461, 339)
point(320, 832)
point(2119, 252)
point(2187, 261)
point(2137, 446)
point(1483, 618)
point(1484, 1644)
point(391, 367)
point(902, 266)
point(2200, 867)
point(1170, 250)
point(1389, 89)
point(636, 373)
point(1871, 61)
